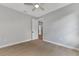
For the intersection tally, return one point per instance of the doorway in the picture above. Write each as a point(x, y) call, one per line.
point(37, 29)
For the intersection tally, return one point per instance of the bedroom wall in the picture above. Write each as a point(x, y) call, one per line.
point(62, 26)
point(14, 26)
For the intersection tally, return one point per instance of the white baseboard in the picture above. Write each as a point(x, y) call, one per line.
point(11, 44)
point(66, 46)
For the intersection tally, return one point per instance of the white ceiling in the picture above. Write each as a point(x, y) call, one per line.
point(49, 7)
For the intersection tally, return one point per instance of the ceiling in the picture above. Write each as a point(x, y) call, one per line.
point(27, 9)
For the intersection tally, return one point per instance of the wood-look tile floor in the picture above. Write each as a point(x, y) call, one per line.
point(37, 48)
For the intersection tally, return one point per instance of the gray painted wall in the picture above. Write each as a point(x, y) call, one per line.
point(62, 26)
point(14, 26)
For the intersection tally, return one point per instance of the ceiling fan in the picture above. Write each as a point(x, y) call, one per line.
point(35, 6)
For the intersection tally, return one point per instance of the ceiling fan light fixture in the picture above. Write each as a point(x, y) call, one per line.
point(36, 6)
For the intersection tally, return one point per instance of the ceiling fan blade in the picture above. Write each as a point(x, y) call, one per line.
point(34, 9)
point(41, 8)
point(28, 3)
